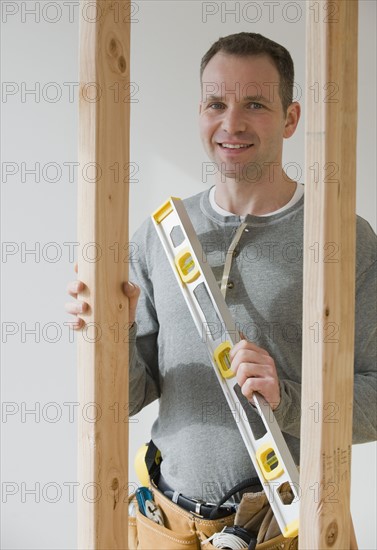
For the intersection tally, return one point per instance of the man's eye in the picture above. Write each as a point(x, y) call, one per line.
point(215, 105)
point(254, 105)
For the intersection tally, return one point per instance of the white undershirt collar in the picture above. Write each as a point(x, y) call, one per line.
point(296, 197)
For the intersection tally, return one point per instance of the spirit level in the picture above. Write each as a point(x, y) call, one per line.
point(267, 447)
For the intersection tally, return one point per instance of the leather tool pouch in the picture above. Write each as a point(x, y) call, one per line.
point(184, 530)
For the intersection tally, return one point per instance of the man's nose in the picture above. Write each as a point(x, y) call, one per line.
point(233, 121)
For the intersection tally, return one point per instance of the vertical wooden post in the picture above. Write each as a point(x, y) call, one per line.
point(102, 266)
point(329, 275)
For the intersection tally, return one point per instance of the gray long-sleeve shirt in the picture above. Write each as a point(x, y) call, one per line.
point(203, 453)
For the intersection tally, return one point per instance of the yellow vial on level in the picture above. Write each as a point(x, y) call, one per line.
point(221, 356)
point(269, 462)
point(186, 266)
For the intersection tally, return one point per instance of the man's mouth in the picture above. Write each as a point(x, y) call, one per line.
point(235, 145)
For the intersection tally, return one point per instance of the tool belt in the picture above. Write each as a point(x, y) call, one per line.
point(198, 507)
point(188, 523)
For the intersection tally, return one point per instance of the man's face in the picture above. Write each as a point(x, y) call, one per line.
point(242, 123)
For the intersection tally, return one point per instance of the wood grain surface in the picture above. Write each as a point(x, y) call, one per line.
point(104, 117)
point(329, 276)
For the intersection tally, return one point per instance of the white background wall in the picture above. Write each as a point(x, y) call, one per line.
point(168, 41)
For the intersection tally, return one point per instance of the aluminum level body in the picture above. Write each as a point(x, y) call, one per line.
point(269, 452)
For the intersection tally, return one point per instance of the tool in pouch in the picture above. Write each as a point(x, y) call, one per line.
point(269, 452)
point(147, 505)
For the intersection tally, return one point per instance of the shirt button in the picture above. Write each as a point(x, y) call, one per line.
point(230, 285)
point(246, 230)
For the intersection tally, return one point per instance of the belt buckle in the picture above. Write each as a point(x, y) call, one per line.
point(198, 505)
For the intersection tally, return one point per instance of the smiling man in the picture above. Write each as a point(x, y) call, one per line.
point(246, 111)
point(250, 224)
point(243, 134)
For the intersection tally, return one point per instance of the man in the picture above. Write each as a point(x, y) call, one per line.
point(246, 111)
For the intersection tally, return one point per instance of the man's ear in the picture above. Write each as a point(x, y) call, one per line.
point(200, 107)
point(291, 119)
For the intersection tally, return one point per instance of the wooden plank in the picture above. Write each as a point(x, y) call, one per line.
point(102, 266)
point(353, 542)
point(329, 275)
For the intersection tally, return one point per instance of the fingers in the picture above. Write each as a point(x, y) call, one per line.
point(262, 383)
point(74, 287)
point(250, 356)
point(263, 386)
point(249, 360)
point(255, 372)
point(75, 308)
point(132, 292)
point(77, 324)
point(246, 345)
point(252, 370)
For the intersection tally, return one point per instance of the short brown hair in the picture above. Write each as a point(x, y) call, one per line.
point(244, 44)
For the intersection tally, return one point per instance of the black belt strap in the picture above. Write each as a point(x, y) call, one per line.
point(153, 461)
point(251, 482)
point(193, 505)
